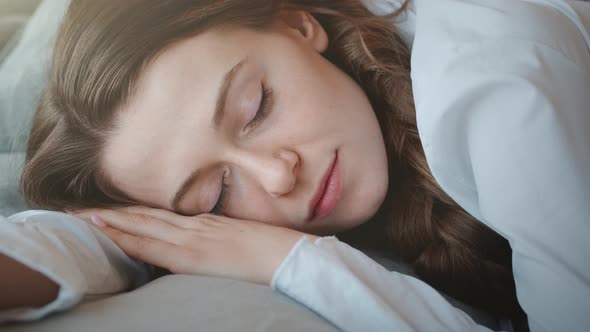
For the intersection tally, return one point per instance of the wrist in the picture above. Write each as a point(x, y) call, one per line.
point(283, 249)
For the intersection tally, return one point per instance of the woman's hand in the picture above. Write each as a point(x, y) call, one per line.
point(202, 245)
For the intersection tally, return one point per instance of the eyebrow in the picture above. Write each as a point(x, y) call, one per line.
point(216, 121)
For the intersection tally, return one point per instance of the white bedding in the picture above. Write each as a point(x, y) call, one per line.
point(482, 77)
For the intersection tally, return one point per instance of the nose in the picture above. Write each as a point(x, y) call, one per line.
point(276, 172)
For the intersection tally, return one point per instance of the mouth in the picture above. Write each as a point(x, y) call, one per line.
point(328, 192)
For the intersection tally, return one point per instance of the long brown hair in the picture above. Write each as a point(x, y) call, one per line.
point(103, 48)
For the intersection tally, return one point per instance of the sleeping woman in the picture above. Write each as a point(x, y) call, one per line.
point(264, 140)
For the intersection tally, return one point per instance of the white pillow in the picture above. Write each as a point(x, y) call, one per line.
point(23, 74)
point(11, 201)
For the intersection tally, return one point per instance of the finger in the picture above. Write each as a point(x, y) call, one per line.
point(136, 224)
point(166, 255)
point(164, 215)
point(222, 221)
point(110, 232)
point(189, 222)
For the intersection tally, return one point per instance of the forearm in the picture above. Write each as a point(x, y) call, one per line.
point(21, 286)
point(326, 272)
point(77, 258)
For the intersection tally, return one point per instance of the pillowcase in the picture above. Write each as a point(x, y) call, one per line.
point(24, 72)
point(11, 201)
point(13, 15)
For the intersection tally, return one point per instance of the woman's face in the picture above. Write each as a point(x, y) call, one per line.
point(265, 111)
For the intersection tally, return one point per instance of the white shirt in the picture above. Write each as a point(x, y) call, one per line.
point(502, 91)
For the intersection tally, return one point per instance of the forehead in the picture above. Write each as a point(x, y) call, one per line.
point(154, 125)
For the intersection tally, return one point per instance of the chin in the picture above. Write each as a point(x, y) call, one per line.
point(361, 212)
point(371, 201)
point(354, 211)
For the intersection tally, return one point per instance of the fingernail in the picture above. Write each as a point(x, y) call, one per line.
point(97, 221)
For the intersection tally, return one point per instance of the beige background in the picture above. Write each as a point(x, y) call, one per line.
point(13, 13)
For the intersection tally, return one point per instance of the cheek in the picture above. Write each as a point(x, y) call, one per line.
point(247, 201)
point(303, 95)
point(254, 207)
point(331, 102)
point(307, 110)
point(293, 120)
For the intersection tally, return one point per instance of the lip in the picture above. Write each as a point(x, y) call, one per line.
point(326, 196)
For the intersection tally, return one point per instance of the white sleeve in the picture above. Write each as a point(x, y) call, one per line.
point(504, 113)
point(75, 255)
point(355, 293)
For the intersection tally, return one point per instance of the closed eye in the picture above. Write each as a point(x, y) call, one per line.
point(263, 109)
point(221, 201)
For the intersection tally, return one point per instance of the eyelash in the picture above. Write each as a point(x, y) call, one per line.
point(220, 206)
point(262, 109)
point(258, 117)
